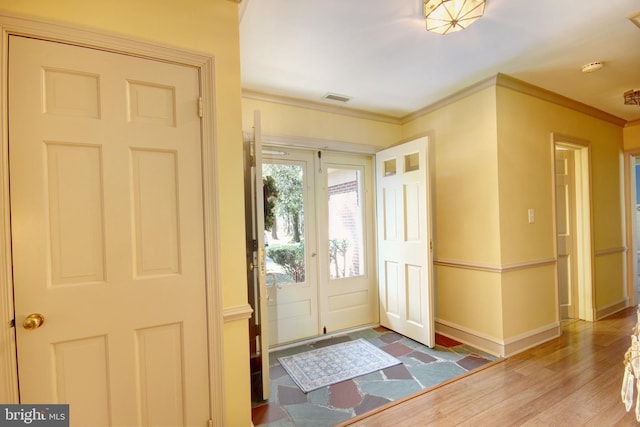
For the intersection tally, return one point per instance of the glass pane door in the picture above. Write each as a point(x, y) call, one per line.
point(348, 289)
point(290, 241)
point(346, 257)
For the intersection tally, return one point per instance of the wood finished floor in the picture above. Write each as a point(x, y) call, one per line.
point(573, 380)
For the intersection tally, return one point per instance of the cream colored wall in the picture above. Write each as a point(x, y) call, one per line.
point(466, 218)
point(209, 26)
point(285, 120)
point(631, 135)
point(466, 221)
point(495, 274)
point(525, 125)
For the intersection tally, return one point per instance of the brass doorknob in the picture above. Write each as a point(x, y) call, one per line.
point(33, 321)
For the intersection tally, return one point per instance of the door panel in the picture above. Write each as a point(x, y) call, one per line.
point(348, 294)
point(404, 241)
point(107, 235)
point(291, 249)
point(257, 279)
point(566, 233)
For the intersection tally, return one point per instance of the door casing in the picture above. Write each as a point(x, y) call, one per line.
point(46, 30)
point(633, 287)
point(584, 242)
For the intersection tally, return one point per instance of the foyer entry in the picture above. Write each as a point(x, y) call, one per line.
point(311, 244)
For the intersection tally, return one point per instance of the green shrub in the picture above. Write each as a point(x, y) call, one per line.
point(290, 257)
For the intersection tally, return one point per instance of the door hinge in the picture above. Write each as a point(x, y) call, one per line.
point(209, 423)
point(200, 107)
point(12, 323)
point(430, 245)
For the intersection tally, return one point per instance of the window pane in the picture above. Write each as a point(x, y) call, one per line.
point(346, 252)
point(284, 221)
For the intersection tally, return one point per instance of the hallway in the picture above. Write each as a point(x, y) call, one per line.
point(572, 380)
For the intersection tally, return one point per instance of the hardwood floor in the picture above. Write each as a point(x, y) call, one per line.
point(573, 380)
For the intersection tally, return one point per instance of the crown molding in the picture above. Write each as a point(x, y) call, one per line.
point(521, 86)
point(457, 96)
point(499, 79)
point(311, 105)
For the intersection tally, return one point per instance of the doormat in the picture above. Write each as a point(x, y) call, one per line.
point(319, 368)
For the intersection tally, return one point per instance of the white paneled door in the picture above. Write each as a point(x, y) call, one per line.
point(404, 241)
point(107, 235)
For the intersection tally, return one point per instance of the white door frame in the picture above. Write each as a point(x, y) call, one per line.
point(11, 24)
point(584, 238)
point(631, 229)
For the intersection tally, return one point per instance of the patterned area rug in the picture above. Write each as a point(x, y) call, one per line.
point(315, 369)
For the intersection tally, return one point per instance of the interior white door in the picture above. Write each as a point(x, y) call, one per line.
point(107, 235)
point(566, 232)
point(404, 241)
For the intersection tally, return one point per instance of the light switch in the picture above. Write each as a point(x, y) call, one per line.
point(532, 217)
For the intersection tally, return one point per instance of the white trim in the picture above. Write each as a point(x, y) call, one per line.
point(631, 231)
point(319, 144)
point(241, 312)
point(585, 255)
point(501, 80)
point(11, 24)
point(468, 336)
point(610, 309)
point(497, 347)
point(531, 339)
point(494, 268)
point(610, 251)
point(318, 106)
point(322, 337)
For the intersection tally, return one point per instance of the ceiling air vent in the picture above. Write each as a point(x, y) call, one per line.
point(336, 97)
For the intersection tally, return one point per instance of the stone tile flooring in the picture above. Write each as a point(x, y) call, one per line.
point(421, 367)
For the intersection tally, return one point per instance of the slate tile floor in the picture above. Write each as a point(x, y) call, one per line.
point(421, 367)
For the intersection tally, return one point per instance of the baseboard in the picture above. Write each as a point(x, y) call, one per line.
point(467, 336)
point(496, 347)
point(531, 339)
point(608, 310)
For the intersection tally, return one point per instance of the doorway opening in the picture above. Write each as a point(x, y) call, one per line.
point(573, 228)
point(633, 230)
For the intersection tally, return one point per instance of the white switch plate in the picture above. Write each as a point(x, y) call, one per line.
point(532, 217)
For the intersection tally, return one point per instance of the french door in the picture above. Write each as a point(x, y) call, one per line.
point(290, 241)
point(319, 242)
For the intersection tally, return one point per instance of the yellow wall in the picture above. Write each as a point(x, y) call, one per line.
point(495, 275)
point(284, 120)
point(525, 125)
point(467, 220)
point(466, 199)
point(209, 26)
point(632, 137)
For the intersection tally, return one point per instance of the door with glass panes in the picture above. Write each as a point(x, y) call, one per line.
point(319, 242)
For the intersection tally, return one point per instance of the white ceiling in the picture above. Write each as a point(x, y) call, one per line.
point(379, 53)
